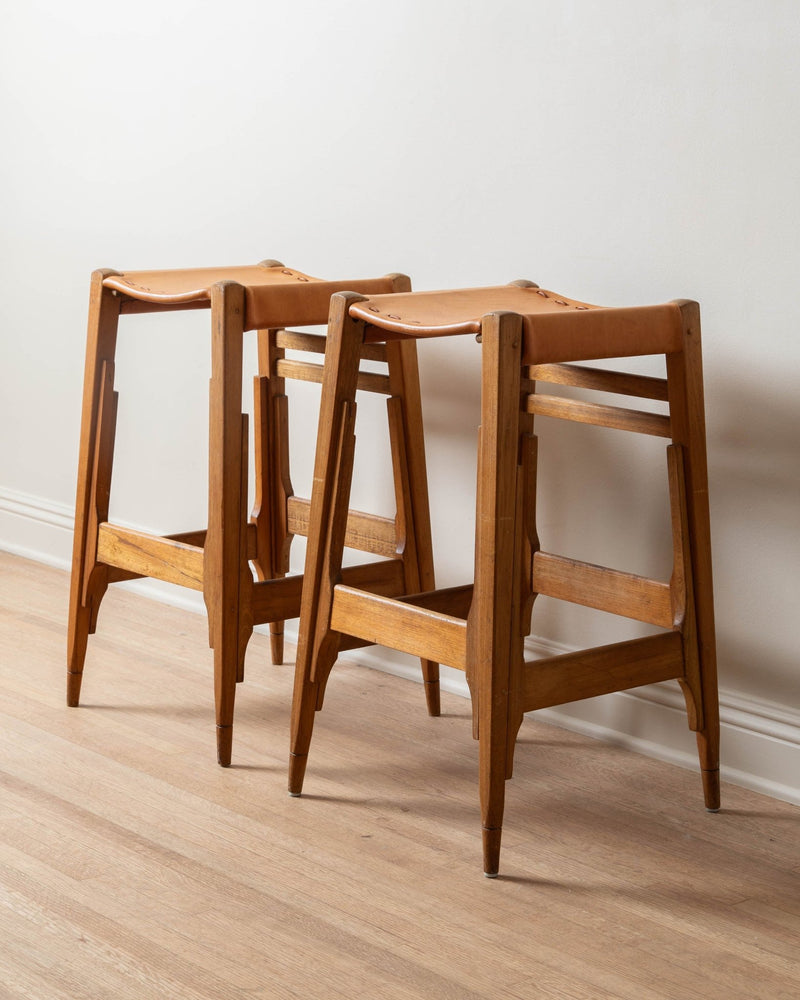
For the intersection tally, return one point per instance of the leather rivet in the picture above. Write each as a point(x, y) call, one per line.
point(392, 316)
point(373, 309)
point(544, 295)
point(559, 302)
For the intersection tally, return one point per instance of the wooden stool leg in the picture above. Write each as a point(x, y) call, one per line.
point(687, 412)
point(225, 568)
point(317, 646)
point(411, 487)
point(493, 619)
point(88, 582)
point(273, 485)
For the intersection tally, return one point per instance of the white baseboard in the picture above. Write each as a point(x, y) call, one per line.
point(36, 529)
point(760, 739)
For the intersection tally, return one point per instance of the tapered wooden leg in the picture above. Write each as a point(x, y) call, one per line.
point(682, 589)
point(411, 487)
point(687, 412)
point(317, 645)
point(224, 575)
point(493, 619)
point(269, 511)
point(94, 477)
point(273, 486)
point(276, 642)
point(525, 547)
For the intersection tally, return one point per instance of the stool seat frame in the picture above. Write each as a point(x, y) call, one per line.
point(528, 335)
point(216, 560)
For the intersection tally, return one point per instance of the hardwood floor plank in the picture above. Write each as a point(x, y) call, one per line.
point(131, 866)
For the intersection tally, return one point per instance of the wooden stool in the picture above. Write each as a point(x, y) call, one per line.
point(528, 335)
point(267, 297)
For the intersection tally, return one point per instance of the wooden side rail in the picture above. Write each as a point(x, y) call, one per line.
point(304, 371)
point(617, 417)
point(279, 599)
point(603, 589)
point(150, 555)
point(314, 343)
point(401, 626)
point(194, 539)
point(621, 383)
point(198, 538)
point(365, 532)
point(454, 601)
point(622, 665)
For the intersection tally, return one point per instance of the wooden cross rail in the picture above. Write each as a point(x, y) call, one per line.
point(400, 625)
point(314, 343)
point(304, 371)
point(620, 418)
point(600, 415)
point(617, 667)
point(601, 380)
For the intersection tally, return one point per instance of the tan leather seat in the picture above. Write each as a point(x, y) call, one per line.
point(556, 328)
point(275, 296)
point(187, 284)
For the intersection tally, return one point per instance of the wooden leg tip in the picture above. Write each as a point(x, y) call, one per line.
point(491, 852)
point(297, 772)
point(276, 648)
point(224, 745)
point(711, 790)
point(74, 689)
point(432, 699)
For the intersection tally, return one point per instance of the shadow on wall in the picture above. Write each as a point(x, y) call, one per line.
point(603, 498)
point(754, 459)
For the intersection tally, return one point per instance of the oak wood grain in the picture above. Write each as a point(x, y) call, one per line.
point(147, 555)
point(618, 593)
point(405, 627)
point(601, 380)
point(617, 417)
point(365, 532)
point(132, 867)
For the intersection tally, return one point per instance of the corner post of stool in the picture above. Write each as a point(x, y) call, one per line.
point(225, 569)
point(272, 485)
point(493, 621)
point(415, 542)
point(687, 416)
point(317, 646)
point(101, 342)
point(272, 479)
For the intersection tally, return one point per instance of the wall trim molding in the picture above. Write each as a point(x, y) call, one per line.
point(36, 509)
point(36, 528)
point(760, 739)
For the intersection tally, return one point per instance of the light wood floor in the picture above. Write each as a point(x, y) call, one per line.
point(131, 866)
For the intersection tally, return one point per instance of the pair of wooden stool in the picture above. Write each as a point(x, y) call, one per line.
point(528, 336)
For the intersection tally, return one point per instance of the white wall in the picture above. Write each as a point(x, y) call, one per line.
point(624, 152)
